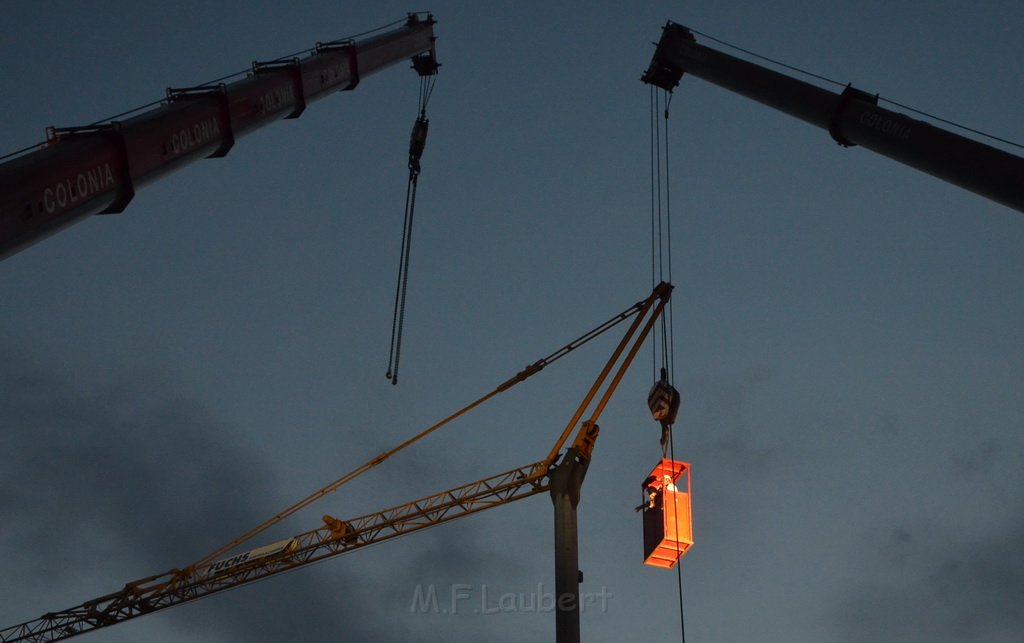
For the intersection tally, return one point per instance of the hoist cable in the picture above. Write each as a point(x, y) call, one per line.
point(669, 346)
point(661, 226)
point(668, 320)
point(658, 169)
point(661, 268)
point(655, 158)
point(653, 189)
point(417, 142)
point(522, 375)
point(426, 89)
point(679, 565)
point(770, 60)
point(398, 317)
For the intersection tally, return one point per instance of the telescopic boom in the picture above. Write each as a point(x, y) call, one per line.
point(97, 169)
point(852, 117)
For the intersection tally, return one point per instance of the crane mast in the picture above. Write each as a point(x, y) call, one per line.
point(97, 169)
point(852, 117)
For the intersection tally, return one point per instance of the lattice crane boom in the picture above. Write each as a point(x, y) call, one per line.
point(175, 587)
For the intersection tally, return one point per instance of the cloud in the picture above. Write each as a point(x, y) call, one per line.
point(978, 458)
point(132, 462)
point(941, 588)
point(108, 482)
point(723, 410)
point(104, 483)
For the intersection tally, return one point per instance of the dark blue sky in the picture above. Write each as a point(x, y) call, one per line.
point(848, 330)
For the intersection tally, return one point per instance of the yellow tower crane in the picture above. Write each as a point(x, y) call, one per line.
point(222, 570)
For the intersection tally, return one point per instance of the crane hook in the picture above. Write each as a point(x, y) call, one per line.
point(417, 141)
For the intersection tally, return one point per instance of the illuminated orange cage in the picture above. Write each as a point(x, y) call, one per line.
point(668, 524)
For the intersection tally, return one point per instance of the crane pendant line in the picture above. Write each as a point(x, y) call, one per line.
point(522, 375)
point(655, 305)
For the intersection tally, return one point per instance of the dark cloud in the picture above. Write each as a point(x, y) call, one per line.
point(138, 478)
point(979, 458)
point(121, 480)
point(723, 410)
point(941, 587)
point(898, 547)
point(132, 461)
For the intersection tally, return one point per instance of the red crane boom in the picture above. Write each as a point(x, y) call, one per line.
point(97, 169)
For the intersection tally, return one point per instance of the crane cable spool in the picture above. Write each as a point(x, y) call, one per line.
point(426, 66)
point(663, 399)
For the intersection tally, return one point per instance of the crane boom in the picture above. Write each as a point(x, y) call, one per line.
point(97, 169)
point(179, 586)
point(852, 117)
point(341, 536)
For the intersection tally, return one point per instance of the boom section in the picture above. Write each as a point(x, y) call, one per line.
point(852, 117)
point(179, 586)
point(96, 169)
